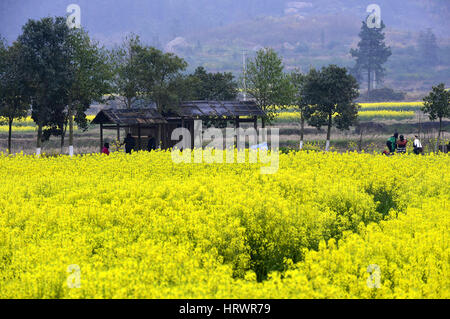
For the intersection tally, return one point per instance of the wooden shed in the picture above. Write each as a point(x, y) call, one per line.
point(146, 123)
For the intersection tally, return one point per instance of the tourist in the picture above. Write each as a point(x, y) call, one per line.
point(401, 144)
point(418, 149)
point(130, 143)
point(392, 143)
point(151, 144)
point(105, 149)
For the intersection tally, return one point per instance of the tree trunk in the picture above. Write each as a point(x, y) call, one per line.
point(263, 120)
point(10, 121)
point(302, 129)
point(327, 146)
point(360, 139)
point(70, 132)
point(62, 142)
point(374, 81)
point(368, 83)
point(438, 142)
point(101, 137)
point(420, 124)
point(39, 140)
point(129, 102)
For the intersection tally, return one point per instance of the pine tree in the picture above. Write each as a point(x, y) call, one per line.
point(371, 54)
point(428, 47)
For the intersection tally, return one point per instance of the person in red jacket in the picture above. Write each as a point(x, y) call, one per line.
point(401, 144)
point(105, 149)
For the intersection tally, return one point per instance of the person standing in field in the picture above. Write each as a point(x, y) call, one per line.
point(392, 143)
point(105, 149)
point(130, 143)
point(151, 145)
point(418, 149)
point(401, 144)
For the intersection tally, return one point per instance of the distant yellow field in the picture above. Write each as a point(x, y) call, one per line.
point(27, 125)
point(394, 106)
point(364, 115)
point(5, 128)
point(391, 104)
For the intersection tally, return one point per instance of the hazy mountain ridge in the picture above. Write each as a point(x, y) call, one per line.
point(166, 19)
point(214, 33)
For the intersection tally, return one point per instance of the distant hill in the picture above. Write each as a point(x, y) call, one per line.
point(166, 19)
point(213, 33)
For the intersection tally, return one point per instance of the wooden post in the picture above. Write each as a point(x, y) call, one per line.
point(236, 126)
point(101, 137)
point(158, 139)
point(139, 137)
point(118, 132)
point(184, 142)
point(166, 136)
point(191, 129)
point(163, 136)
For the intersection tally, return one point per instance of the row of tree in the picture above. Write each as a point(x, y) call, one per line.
point(56, 73)
point(322, 97)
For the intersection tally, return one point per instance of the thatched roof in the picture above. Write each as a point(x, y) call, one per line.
point(186, 110)
point(129, 117)
point(194, 109)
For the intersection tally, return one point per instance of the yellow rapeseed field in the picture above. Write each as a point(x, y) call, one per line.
point(326, 225)
point(27, 125)
point(14, 128)
point(398, 106)
point(386, 114)
point(376, 106)
point(363, 115)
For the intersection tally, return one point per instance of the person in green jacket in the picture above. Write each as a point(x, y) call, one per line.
point(392, 143)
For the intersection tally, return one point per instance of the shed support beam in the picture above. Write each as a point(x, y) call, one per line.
point(184, 142)
point(139, 138)
point(236, 126)
point(101, 137)
point(163, 137)
point(158, 137)
point(191, 129)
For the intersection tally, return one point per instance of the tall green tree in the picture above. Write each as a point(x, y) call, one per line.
point(437, 106)
point(125, 83)
point(158, 76)
point(371, 54)
point(14, 97)
point(92, 77)
point(144, 72)
point(3, 50)
point(331, 93)
point(202, 85)
point(213, 86)
point(47, 70)
point(268, 84)
point(298, 101)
